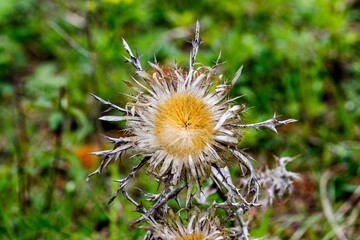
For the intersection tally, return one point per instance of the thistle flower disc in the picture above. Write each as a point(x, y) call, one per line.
point(184, 126)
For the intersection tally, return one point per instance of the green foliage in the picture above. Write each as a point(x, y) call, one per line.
point(301, 60)
point(263, 228)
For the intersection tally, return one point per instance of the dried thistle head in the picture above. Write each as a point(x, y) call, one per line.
point(197, 226)
point(184, 127)
point(181, 122)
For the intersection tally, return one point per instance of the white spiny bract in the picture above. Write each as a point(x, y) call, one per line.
point(185, 129)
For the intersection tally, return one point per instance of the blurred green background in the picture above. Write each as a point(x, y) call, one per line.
point(301, 60)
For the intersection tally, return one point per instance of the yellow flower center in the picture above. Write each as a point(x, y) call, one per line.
point(183, 125)
point(192, 237)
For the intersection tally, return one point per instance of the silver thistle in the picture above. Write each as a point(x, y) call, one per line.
point(184, 128)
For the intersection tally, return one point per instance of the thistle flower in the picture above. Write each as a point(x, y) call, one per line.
point(200, 226)
point(182, 123)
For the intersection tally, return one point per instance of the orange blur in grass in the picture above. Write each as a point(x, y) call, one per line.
point(86, 159)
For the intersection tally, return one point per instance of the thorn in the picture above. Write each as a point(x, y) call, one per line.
point(112, 198)
point(175, 65)
point(218, 59)
point(197, 31)
point(273, 128)
point(237, 75)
